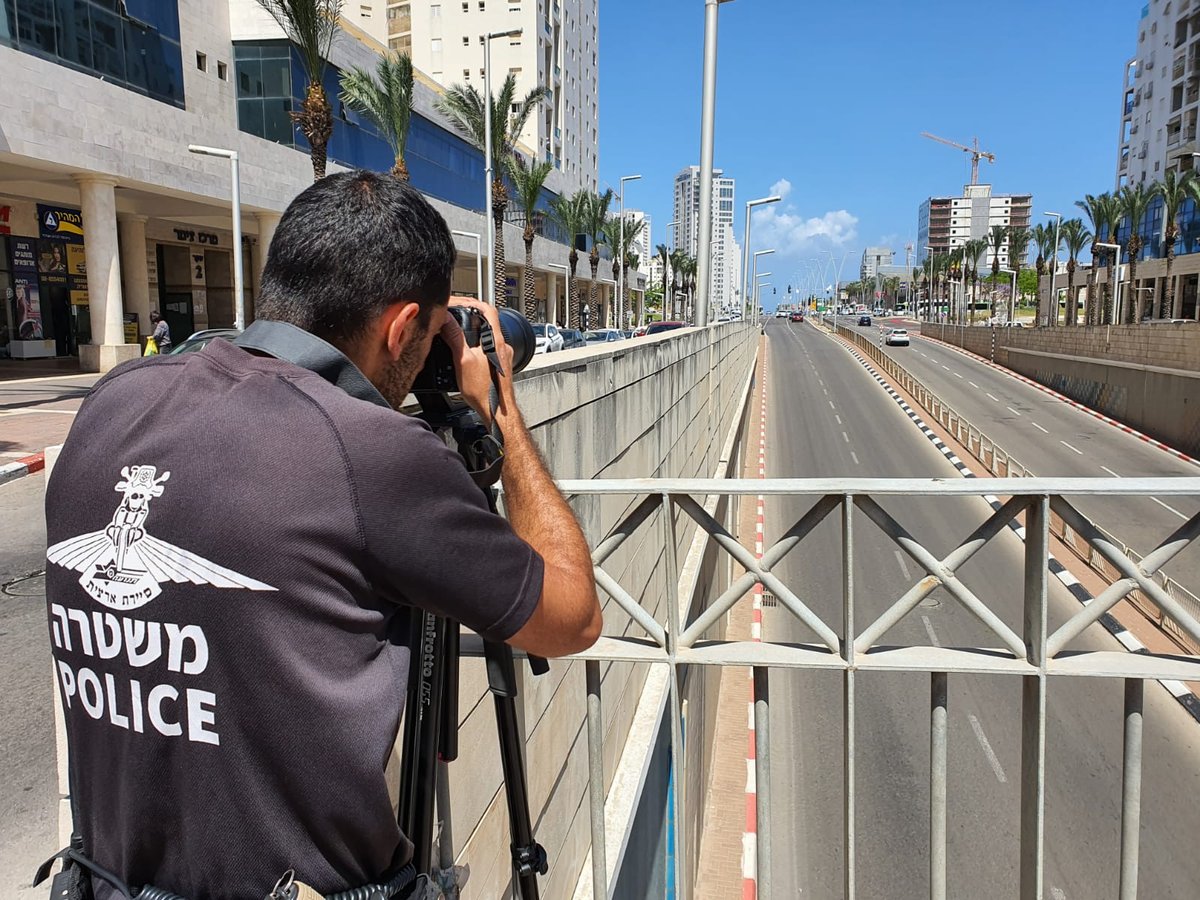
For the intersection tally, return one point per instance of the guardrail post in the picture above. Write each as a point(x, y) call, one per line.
point(937, 786)
point(762, 778)
point(848, 685)
point(1131, 789)
point(595, 734)
point(1033, 701)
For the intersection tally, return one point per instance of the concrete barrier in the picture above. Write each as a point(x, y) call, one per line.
point(1146, 376)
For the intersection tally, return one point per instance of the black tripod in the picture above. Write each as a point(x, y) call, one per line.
point(430, 726)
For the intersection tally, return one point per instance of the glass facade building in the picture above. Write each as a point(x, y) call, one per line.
point(131, 43)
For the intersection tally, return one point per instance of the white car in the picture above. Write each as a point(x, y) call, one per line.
point(781, 313)
point(897, 337)
point(549, 339)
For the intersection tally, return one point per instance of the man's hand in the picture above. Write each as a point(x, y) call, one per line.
point(472, 367)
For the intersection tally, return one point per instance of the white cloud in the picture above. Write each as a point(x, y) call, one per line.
point(781, 188)
point(793, 234)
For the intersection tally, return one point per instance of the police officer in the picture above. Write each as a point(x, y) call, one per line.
point(236, 536)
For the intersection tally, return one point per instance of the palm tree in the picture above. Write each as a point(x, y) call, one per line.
point(1044, 238)
point(1135, 201)
point(622, 241)
point(665, 253)
point(976, 249)
point(311, 26)
point(954, 272)
point(1075, 237)
point(465, 106)
point(1098, 210)
point(633, 259)
point(568, 213)
point(1176, 188)
point(528, 179)
point(678, 269)
point(1018, 244)
point(385, 98)
point(597, 216)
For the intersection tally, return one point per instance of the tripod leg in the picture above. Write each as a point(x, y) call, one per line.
point(529, 857)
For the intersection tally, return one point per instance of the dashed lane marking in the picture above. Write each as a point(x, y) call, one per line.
point(1011, 410)
point(831, 406)
point(973, 384)
point(903, 564)
point(947, 368)
point(1039, 427)
point(993, 396)
point(1069, 447)
point(1110, 472)
point(956, 375)
point(846, 437)
point(854, 456)
point(992, 759)
point(933, 638)
point(839, 418)
point(1169, 508)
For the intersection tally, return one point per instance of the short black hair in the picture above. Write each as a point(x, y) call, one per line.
point(154, 316)
point(349, 246)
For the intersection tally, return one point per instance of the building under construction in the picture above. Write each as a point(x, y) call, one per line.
point(944, 223)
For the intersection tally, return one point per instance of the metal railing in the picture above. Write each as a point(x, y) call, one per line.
point(1000, 463)
point(682, 638)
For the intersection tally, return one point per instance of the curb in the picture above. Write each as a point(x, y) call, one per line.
point(1075, 404)
point(26, 465)
point(1176, 689)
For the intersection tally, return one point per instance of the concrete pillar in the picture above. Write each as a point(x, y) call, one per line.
point(98, 203)
point(135, 279)
point(552, 298)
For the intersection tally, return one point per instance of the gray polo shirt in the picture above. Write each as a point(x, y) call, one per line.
point(234, 540)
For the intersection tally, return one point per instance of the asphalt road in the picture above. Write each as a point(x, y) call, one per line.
point(828, 417)
point(1053, 438)
point(28, 782)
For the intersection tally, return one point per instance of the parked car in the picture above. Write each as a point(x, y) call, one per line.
point(571, 338)
point(548, 337)
point(603, 336)
point(864, 320)
point(201, 339)
point(660, 327)
point(897, 337)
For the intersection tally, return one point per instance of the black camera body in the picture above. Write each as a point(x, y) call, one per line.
point(438, 375)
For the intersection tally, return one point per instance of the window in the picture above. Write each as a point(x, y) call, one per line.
point(466, 41)
point(364, 11)
point(435, 10)
point(435, 45)
point(201, 61)
point(466, 6)
point(467, 74)
point(222, 71)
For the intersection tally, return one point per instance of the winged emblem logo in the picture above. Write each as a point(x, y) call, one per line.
point(123, 566)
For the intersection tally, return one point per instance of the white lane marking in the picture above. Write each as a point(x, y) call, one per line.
point(1011, 410)
point(956, 375)
point(933, 638)
point(903, 564)
point(947, 368)
point(846, 436)
point(839, 418)
point(1170, 508)
point(831, 406)
point(854, 456)
point(1039, 428)
point(1057, 893)
point(1069, 447)
point(1110, 472)
point(987, 749)
point(825, 390)
point(973, 384)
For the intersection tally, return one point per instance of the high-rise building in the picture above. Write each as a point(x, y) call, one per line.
point(687, 229)
point(643, 244)
point(948, 222)
point(558, 49)
point(873, 259)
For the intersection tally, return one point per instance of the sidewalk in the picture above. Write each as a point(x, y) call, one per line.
point(16, 369)
point(38, 402)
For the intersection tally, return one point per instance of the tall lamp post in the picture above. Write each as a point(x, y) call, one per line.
point(761, 201)
point(489, 163)
point(1115, 248)
point(662, 315)
point(758, 284)
point(621, 250)
point(708, 116)
point(478, 239)
point(1052, 300)
point(752, 315)
point(239, 299)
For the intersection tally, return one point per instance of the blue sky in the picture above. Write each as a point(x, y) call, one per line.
point(827, 100)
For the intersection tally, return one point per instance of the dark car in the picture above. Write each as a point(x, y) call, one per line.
point(864, 320)
point(660, 327)
point(571, 338)
point(201, 339)
point(796, 317)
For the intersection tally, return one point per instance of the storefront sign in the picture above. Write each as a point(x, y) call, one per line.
point(79, 298)
point(199, 293)
point(60, 223)
point(27, 298)
point(76, 261)
point(197, 237)
point(131, 328)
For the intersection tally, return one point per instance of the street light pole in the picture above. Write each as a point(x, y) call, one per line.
point(662, 315)
point(621, 250)
point(239, 299)
point(752, 314)
point(746, 250)
point(478, 239)
point(708, 115)
point(489, 163)
point(1052, 301)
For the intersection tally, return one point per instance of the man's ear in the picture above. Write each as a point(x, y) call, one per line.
point(400, 327)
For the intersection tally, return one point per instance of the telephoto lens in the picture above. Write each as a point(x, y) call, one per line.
point(438, 375)
point(518, 334)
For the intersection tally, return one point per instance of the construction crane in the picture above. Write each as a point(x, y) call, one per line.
point(976, 153)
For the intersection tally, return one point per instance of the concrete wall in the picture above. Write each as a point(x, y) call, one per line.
point(1147, 376)
point(652, 408)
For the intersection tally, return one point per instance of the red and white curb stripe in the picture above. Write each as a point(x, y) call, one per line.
point(750, 835)
point(26, 465)
point(1075, 404)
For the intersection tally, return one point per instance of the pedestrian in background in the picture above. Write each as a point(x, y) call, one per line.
point(161, 333)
